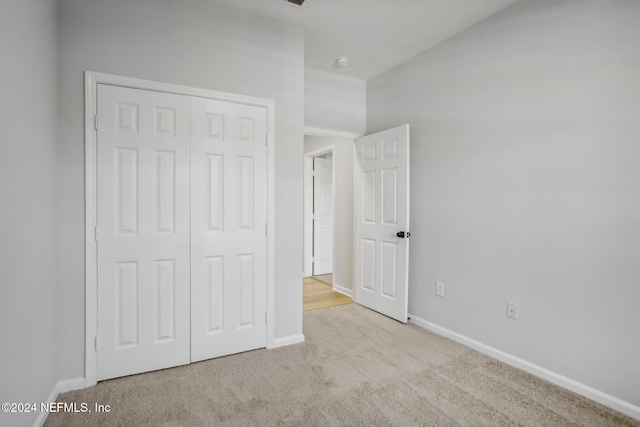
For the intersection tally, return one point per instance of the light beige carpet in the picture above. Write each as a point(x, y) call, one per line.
point(356, 368)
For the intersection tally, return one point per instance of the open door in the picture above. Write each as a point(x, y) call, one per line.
point(381, 222)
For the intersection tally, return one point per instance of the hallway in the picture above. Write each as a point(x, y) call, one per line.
point(316, 294)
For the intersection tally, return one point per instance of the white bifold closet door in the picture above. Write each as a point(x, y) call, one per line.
point(144, 230)
point(228, 229)
point(182, 213)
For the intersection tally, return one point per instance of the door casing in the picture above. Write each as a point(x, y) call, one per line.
point(307, 269)
point(308, 207)
point(92, 79)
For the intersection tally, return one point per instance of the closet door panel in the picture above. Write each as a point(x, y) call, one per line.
point(229, 216)
point(143, 153)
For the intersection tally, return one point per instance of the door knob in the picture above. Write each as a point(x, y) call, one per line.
point(401, 234)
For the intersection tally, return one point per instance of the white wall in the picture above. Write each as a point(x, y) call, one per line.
point(525, 175)
point(28, 133)
point(187, 42)
point(343, 198)
point(334, 102)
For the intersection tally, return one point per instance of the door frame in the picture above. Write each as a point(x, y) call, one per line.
point(308, 208)
point(91, 81)
point(307, 268)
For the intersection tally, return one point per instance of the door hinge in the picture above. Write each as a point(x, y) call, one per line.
point(97, 234)
point(266, 229)
point(266, 139)
point(97, 343)
point(265, 316)
point(313, 259)
point(95, 122)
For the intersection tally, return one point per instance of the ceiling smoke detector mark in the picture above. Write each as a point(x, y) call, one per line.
point(341, 62)
point(297, 2)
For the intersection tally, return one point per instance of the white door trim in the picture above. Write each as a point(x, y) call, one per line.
point(307, 269)
point(91, 81)
point(329, 133)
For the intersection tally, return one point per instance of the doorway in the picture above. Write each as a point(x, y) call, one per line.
point(328, 220)
point(322, 218)
point(371, 216)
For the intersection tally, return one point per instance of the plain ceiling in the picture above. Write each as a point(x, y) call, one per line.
point(374, 34)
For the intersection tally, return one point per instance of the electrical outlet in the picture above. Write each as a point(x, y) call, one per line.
point(440, 289)
point(512, 310)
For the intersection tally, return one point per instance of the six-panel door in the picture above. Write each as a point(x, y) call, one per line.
point(381, 191)
point(228, 228)
point(182, 212)
point(143, 224)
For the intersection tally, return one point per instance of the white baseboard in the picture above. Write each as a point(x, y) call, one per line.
point(342, 290)
point(59, 387)
point(291, 339)
point(71, 384)
point(611, 401)
point(42, 416)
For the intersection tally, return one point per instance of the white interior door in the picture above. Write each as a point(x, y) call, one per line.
point(381, 216)
point(322, 216)
point(143, 146)
point(181, 239)
point(229, 218)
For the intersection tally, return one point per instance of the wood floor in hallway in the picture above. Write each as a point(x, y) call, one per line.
point(316, 295)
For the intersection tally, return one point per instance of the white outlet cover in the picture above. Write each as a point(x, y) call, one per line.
point(512, 310)
point(440, 289)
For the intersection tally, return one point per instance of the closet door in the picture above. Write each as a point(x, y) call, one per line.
point(229, 216)
point(143, 230)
